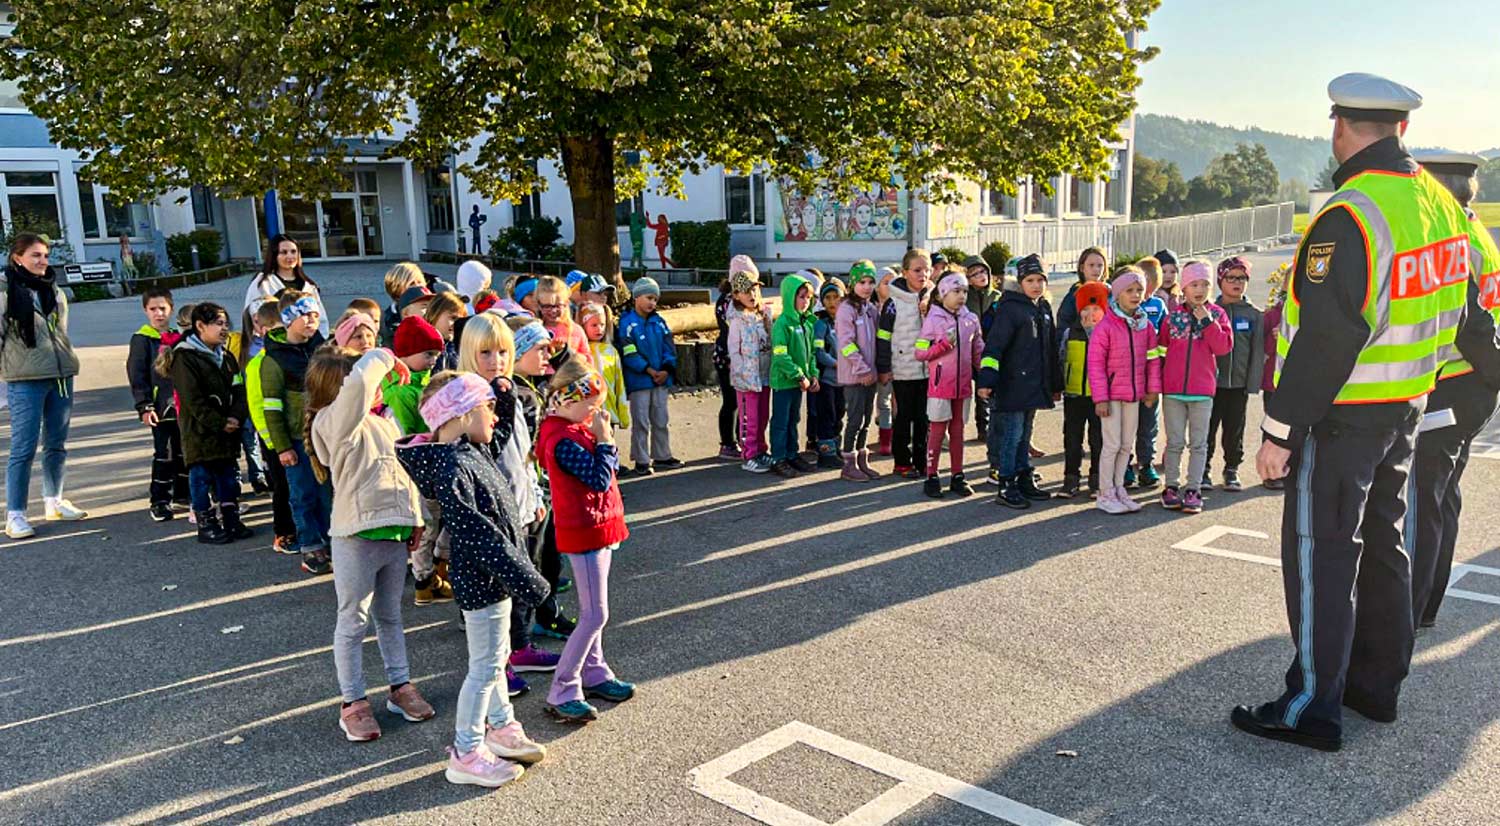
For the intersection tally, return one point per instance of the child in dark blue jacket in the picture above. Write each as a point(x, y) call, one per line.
point(649, 356)
point(828, 402)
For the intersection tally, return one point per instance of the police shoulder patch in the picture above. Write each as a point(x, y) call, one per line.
point(1319, 257)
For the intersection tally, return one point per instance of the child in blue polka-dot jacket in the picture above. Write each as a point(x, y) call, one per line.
point(489, 564)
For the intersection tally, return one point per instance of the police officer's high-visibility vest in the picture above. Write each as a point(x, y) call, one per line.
point(1484, 263)
point(1417, 244)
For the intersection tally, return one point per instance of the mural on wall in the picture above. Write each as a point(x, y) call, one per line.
point(955, 220)
point(875, 214)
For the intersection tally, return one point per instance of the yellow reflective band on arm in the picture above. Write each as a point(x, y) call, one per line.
point(923, 344)
point(989, 361)
point(629, 350)
point(272, 404)
point(884, 335)
point(779, 350)
point(818, 344)
point(850, 349)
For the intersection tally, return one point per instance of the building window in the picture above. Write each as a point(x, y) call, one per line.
point(1080, 196)
point(623, 209)
point(104, 217)
point(745, 199)
point(994, 203)
point(528, 207)
point(203, 205)
point(438, 183)
point(29, 203)
point(1040, 203)
point(1114, 186)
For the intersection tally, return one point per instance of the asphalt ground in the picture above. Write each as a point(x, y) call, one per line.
point(1071, 661)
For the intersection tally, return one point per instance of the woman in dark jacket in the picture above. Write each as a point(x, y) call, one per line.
point(212, 412)
point(38, 365)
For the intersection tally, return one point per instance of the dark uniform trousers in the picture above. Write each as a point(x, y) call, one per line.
point(1433, 493)
point(1347, 575)
point(169, 477)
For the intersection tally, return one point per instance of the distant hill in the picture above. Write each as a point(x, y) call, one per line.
point(1193, 143)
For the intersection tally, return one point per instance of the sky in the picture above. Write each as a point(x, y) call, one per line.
point(1267, 63)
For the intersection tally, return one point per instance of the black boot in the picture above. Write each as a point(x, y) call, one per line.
point(1010, 494)
point(1026, 483)
point(960, 486)
point(209, 531)
point(932, 487)
point(230, 511)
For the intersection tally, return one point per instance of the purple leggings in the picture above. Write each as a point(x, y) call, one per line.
point(582, 660)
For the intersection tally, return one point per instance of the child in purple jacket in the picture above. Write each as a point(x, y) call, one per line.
point(854, 327)
point(1194, 335)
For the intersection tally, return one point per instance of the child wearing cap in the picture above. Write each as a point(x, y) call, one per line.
point(599, 328)
point(1090, 302)
point(524, 293)
point(1092, 264)
point(855, 323)
point(282, 372)
point(266, 319)
point(490, 568)
point(1121, 374)
point(443, 313)
point(982, 301)
point(398, 279)
point(1194, 335)
point(794, 373)
point(1019, 376)
point(951, 347)
point(472, 279)
point(748, 344)
point(1240, 370)
point(650, 357)
point(828, 402)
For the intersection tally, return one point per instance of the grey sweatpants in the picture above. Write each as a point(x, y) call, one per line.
point(368, 578)
point(649, 439)
point(1187, 425)
point(859, 401)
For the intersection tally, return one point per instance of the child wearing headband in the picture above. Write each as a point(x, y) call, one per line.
point(577, 450)
point(490, 567)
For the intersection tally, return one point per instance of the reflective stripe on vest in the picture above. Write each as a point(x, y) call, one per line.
point(1484, 263)
point(1417, 243)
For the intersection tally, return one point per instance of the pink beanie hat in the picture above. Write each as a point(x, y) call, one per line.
point(953, 282)
point(1125, 281)
point(347, 329)
point(1194, 271)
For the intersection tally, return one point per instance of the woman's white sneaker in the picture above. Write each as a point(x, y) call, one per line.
point(481, 767)
point(16, 526)
point(61, 510)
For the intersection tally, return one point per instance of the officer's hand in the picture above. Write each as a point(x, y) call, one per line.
point(150, 419)
point(1272, 460)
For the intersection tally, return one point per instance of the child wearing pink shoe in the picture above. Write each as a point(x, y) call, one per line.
point(1195, 334)
point(1122, 372)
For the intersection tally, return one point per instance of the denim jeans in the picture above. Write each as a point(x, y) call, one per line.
point(222, 475)
point(483, 697)
point(311, 501)
point(1008, 441)
point(252, 453)
point(786, 411)
point(1146, 431)
point(39, 409)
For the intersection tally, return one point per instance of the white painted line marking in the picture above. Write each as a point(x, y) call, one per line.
point(916, 784)
point(1200, 543)
point(1460, 571)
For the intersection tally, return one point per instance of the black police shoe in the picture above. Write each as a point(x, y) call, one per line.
point(1263, 721)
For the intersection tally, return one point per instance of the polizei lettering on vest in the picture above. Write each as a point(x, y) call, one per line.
point(1425, 270)
point(1489, 290)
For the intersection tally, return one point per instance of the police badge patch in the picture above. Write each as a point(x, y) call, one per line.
point(1318, 258)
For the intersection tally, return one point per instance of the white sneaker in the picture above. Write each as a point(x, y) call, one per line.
point(61, 510)
point(1123, 497)
point(755, 466)
point(16, 526)
point(510, 741)
point(1111, 504)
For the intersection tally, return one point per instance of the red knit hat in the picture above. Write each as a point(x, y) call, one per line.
point(1094, 292)
point(414, 336)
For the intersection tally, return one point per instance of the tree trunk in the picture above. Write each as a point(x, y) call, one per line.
point(589, 166)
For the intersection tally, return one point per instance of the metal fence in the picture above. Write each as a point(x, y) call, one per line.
point(1060, 243)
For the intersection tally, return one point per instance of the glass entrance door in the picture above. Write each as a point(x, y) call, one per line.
point(369, 218)
point(341, 230)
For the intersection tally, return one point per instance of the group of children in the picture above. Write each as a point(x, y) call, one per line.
point(464, 436)
point(1148, 344)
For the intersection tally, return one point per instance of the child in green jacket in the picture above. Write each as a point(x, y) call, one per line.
point(794, 372)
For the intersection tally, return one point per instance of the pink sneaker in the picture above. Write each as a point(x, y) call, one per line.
point(510, 742)
point(1123, 496)
point(357, 722)
point(532, 658)
point(408, 703)
point(1192, 502)
point(481, 767)
point(1110, 503)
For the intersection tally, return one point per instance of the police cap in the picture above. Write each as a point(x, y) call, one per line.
point(1452, 163)
point(1362, 96)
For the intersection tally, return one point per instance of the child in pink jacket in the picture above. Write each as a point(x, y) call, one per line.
point(1194, 335)
point(951, 345)
point(1122, 372)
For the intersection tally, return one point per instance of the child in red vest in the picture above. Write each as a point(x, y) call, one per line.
point(575, 446)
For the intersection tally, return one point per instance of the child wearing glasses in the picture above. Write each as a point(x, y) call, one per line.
point(1240, 370)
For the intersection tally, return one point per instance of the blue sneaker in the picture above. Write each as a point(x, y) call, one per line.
point(1130, 477)
point(557, 629)
point(615, 691)
point(573, 711)
point(514, 685)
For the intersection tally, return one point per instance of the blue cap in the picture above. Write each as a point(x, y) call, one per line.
point(524, 287)
point(573, 277)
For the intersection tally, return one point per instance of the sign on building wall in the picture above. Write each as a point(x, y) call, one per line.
point(955, 220)
point(878, 214)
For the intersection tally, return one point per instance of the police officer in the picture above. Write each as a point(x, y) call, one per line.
point(1458, 408)
point(1371, 311)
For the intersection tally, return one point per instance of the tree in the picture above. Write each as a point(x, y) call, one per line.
point(1245, 176)
point(1157, 188)
point(1489, 180)
point(1295, 191)
point(246, 96)
point(1325, 178)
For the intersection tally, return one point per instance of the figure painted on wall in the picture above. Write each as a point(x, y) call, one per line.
point(662, 239)
point(476, 221)
point(637, 239)
point(863, 213)
point(127, 257)
point(796, 222)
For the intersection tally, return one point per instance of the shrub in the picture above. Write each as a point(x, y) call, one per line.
point(997, 254)
point(1125, 259)
point(955, 255)
point(531, 239)
point(559, 252)
point(180, 249)
point(146, 265)
point(701, 244)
